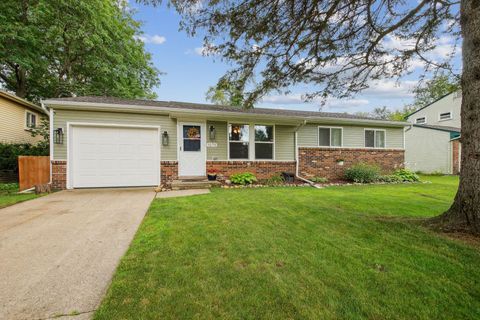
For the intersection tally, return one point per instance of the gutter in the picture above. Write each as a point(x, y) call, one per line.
point(193, 111)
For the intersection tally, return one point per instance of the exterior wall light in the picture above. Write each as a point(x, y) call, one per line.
point(58, 136)
point(165, 138)
point(212, 132)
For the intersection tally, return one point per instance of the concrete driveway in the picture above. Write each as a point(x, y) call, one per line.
point(59, 252)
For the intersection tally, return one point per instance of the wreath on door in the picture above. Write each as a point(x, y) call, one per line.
point(193, 133)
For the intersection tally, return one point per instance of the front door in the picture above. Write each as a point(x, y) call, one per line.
point(191, 149)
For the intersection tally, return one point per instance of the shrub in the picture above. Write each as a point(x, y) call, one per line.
point(319, 179)
point(9, 153)
point(390, 178)
point(8, 188)
point(243, 178)
point(406, 175)
point(274, 180)
point(362, 173)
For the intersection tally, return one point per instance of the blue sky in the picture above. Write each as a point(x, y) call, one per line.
point(189, 74)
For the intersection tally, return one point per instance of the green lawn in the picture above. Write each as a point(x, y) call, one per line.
point(9, 196)
point(355, 252)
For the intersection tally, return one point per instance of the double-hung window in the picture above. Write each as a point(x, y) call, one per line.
point(264, 141)
point(30, 120)
point(374, 138)
point(330, 137)
point(238, 141)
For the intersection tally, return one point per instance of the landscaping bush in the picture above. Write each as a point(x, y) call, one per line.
point(319, 179)
point(274, 180)
point(9, 153)
point(243, 178)
point(8, 188)
point(390, 179)
point(406, 175)
point(362, 173)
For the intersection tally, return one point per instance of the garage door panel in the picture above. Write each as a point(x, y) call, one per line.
point(115, 157)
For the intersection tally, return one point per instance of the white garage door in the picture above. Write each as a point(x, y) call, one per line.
point(114, 157)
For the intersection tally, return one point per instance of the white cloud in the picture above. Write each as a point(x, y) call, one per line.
point(155, 39)
point(205, 50)
point(390, 89)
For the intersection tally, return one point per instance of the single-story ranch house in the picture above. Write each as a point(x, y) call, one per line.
point(111, 142)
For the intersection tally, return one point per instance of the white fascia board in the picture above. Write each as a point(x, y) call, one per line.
point(57, 104)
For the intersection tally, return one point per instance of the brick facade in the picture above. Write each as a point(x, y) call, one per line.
point(59, 174)
point(322, 162)
point(456, 154)
point(168, 171)
point(261, 169)
point(313, 162)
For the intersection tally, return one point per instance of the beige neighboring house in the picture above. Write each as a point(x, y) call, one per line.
point(18, 117)
point(432, 143)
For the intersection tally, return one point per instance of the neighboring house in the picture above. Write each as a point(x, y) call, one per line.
point(432, 143)
point(18, 117)
point(110, 142)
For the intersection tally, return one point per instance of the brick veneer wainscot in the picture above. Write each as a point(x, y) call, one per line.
point(456, 145)
point(168, 171)
point(322, 162)
point(261, 169)
point(59, 174)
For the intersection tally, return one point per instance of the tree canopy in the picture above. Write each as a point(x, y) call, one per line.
point(425, 93)
point(337, 46)
point(55, 48)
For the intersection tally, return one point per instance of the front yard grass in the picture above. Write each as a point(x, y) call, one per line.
point(9, 196)
point(356, 252)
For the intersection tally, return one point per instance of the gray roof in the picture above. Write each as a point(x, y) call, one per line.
point(211, 107)
point(435, 127)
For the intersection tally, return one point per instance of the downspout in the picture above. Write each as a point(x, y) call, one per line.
point(50, 125)
point(311, 183)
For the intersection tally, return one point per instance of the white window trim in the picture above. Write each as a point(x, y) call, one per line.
point(26, 127)
point(424, 117)
point(374, 138)
point(330, 141)
point(272, 142)
point(440, 118)
point(251, 140)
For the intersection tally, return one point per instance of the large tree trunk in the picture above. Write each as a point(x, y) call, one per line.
point(464, 214)
point(21, 82)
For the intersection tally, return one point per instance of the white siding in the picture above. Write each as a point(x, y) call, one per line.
point(451, 103)
point(427, 150)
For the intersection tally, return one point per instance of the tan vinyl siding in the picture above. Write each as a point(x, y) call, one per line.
point(220, 151)
point(12, 123)
point(353, 136)
point(284, 143)
point(61, 117)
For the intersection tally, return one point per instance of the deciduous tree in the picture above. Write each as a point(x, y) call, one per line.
point(55, 48)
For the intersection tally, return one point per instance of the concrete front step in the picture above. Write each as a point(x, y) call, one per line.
point(197, 184)
point(192, 178)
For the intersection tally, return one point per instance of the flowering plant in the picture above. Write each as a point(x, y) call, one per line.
point(212, 172)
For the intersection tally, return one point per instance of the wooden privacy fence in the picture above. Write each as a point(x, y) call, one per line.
point(32, 171)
